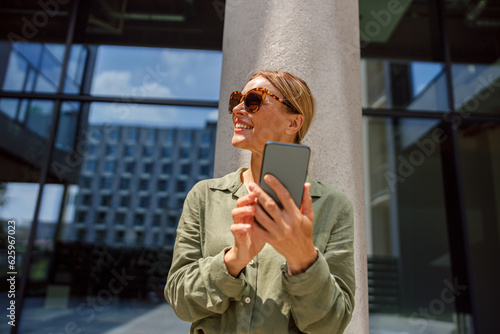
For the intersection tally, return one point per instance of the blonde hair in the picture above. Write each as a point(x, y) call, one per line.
point(296, 92)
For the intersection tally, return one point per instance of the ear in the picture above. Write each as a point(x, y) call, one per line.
point(295, 123)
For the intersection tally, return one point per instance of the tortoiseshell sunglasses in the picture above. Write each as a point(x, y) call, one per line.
point(253, 100)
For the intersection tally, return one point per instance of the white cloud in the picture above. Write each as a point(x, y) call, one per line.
point(111, 83)
point(119, 83)
point(176, 61)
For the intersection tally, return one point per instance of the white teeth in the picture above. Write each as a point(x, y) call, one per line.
point(242, 126)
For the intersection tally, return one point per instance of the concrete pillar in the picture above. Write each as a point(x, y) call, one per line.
point(319, 42)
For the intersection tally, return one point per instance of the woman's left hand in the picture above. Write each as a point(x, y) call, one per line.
point(288, 230)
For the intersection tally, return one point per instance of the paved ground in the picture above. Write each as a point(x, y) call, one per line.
point(393, 324)
point(132, 317)
point(158, 321)
point(124, 317)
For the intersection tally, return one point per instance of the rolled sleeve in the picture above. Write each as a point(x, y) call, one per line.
point(309, 281)
point(216, 274)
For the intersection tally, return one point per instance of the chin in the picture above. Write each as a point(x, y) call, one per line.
point(238, 143)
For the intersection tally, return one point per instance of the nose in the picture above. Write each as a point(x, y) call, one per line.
point(239, 109)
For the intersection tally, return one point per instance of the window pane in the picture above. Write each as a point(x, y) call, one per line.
point(35, 21)
point(68, 123)
point(402, 58)
point(405, 210)
point(115, 215)
point(479, 146)
point(389, 84)
point(157, 73)
point(9, 107)
point(50, 70)
point(476, 88)
point(16, 72)
point(178, 24)
point(32, 66)
point(76, 67)
point(474, 36)
point(386, 26)
point(40, 116)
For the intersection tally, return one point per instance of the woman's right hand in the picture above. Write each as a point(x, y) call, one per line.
point(246, 244)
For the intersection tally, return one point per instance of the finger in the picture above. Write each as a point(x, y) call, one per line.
point(266, 201)
point(246, 200)
point(306, 206)
point(260, 233)
point(280, 190)
point(244, 213)
point(265, 221)
point(238, 229)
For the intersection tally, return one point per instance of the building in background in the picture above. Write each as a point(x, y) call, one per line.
point(133, 87)
point(133, 183)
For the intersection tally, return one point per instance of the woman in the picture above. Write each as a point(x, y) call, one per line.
point(229, 275)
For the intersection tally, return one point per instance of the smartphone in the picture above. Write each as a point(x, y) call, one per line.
point(288, 163)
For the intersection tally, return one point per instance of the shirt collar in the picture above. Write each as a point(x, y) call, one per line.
point(315, 187)
point(232, 182)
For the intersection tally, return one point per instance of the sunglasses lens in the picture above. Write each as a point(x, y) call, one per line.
point(234, 100)
point(253, 101)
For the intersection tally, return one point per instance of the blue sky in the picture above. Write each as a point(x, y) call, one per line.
point(422, 74)
point(176, 73)
point(135, 73)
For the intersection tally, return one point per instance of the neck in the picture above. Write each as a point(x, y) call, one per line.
point(252, 174)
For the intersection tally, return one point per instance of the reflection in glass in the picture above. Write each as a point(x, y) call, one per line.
point(15, 77)
point(9, 107)
point(31, 51)
point(17, 203)
point(405, 210)
point(479, 145)
point(403, 85)
point(76, 69)
point(68, 123)
point(36, 115)
point(32, 67)
point(39, 117)
point(476, 88)
point(153, 72)
point(37, 67)
point(116, 221)
point(398, 29)
point(474, 36)
point(51, 69)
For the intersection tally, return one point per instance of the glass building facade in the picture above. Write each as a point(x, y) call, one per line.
point(430, 79)
point(108, 114)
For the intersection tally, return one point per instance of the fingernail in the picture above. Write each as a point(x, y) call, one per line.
point(251, 186)
point(269, 178)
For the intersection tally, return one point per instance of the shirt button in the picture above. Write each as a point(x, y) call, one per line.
point(248, 300)
point(251, 262)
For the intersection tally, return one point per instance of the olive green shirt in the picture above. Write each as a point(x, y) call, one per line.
point(264, 298)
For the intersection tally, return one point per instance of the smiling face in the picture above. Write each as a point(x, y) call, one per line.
point(272, 122)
